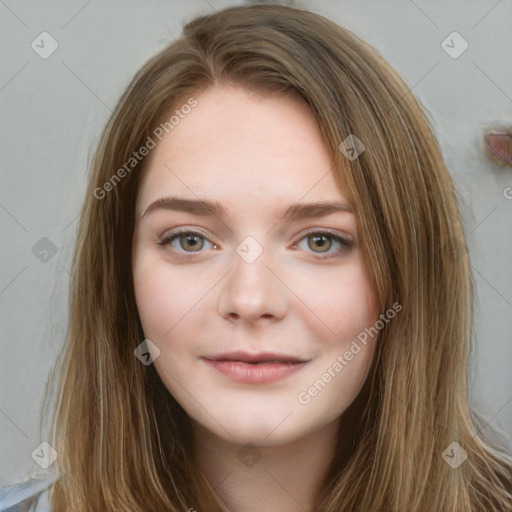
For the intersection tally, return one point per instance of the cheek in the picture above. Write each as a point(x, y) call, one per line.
point(163, 297)
point(165, 301)
point(354, 309)
point(342, 307)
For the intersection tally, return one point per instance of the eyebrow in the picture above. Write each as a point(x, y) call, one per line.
point(208, 208)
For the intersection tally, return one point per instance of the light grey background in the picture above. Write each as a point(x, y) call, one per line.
point(52, 111)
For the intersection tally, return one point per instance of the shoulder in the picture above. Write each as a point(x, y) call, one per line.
point(28, 496)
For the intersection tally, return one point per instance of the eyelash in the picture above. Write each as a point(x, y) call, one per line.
point(167, 238)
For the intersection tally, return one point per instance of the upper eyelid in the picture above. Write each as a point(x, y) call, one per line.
point(180, 230)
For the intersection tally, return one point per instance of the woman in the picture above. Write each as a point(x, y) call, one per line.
point(271, 299)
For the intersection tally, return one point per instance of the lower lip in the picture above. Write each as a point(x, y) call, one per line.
point(255, 373)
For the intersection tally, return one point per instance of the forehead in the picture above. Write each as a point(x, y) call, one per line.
point(235, 143)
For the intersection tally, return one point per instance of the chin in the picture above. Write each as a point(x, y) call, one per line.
point(260, 429)
point(259, 435)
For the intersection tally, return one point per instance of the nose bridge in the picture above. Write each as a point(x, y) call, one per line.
point(251, 290)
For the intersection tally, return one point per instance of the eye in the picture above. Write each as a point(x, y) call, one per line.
point(320, 243)
point(188, 241)
point(324, 241)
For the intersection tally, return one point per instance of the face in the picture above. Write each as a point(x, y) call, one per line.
point(253, 276)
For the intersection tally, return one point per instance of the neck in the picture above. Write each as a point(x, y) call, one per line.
point(250, 479)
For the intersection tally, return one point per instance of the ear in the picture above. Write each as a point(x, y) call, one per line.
point(499, 145)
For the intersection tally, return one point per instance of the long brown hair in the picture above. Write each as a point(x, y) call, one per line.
point(123, 441)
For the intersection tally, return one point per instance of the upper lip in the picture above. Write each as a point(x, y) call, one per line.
point(259, 357)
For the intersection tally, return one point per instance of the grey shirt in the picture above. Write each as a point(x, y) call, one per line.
point(28, 496)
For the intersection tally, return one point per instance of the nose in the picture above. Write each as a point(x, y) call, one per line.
point(252, 293)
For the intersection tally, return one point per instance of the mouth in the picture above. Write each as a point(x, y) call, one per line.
point(257, 358)
point(257, 368)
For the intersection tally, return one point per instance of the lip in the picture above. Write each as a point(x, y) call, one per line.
point(255, 357)
point(255, 368)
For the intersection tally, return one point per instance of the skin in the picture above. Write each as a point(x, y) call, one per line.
point(255, 155)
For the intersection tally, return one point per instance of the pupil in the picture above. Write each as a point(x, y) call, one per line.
point(320, 243)
point(192, 241)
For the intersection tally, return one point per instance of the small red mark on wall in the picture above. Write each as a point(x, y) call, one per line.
point(499, 145)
